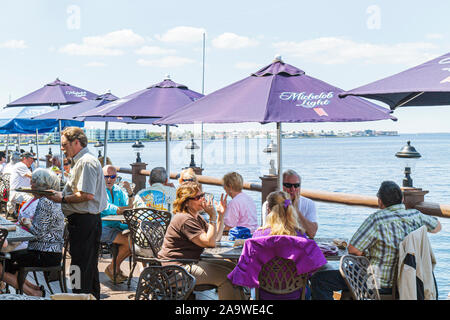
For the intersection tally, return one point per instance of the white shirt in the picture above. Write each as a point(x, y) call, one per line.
point(306, 206)
point(18, 178)
point(241, 212)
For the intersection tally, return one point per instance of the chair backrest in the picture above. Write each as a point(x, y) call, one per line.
point(3, 235)
point(279, 276)
point(4, 187)
point(164, 283)
point(154, 232)
point(134, 218)
point(360, 277)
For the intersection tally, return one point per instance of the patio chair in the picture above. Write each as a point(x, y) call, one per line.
point(279, 277)
point(164, 283)
point(360, 277)
point(4, 193)
point(3, 255)
point(51, 274)
point(141, 248)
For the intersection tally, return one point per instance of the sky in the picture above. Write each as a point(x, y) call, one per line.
point(126, 46)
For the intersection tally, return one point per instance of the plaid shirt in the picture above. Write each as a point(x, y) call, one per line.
point(380, 235)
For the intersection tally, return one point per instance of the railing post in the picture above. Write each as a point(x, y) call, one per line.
point(413, 196)
point(136, 177)
point(269, 184)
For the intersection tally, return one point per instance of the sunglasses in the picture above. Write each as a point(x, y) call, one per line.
point(184, 180)
point(196, 198)
point(111, 177)
point(290, 185)
point(66, 163)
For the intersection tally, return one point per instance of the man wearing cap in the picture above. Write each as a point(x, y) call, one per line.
point(306, 208)
point(20, 178)
point(82, 200)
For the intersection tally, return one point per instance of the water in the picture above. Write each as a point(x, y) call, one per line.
point(350, 165)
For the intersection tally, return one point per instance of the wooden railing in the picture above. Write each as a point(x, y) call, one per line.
point(413, 197)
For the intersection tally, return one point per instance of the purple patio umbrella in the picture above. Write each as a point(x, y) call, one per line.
point(56, 93)
point(152, 103)
point(427, 84)
point(72, 112)
point(277, 93)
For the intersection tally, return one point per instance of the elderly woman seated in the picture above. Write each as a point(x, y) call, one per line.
point(47, 226)
point(189, 234)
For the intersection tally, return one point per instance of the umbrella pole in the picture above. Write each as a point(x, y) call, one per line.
point(37, 148)
point(60, 145)
point(105, 144)
point(203, 92)
point(279, 164)
point(168, 151)
point(7, 145)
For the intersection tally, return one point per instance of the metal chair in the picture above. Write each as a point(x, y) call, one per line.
point(279, 276)
point(113, 250)
point(134, 218)
point(51, 274)
point(164, 283)
point(3, 255)
point(4, 193)
point(360, 277)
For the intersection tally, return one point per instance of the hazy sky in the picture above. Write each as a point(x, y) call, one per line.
point(126, 46)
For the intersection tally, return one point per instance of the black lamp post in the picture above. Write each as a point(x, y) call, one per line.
point(98, 146)
point(137, 148)
point(408, 153)
point(192, 146)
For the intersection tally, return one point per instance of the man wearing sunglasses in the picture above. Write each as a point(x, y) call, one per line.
point(306, 208)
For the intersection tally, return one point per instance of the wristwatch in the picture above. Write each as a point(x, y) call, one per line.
point(63, 200)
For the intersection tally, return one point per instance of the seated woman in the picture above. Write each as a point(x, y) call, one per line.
point(188, 234)
point(187, 175)
point(281, 219)
point(48, 228)
point(118, 201)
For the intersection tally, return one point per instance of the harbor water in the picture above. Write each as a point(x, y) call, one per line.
point(351, 165)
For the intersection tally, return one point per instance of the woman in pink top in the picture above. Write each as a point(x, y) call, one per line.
point(241, 210)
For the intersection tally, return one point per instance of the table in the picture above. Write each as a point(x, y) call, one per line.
point(114, 217)
point(18, 235)
point(233, 253)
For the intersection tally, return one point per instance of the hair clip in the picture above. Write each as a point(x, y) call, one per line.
point(287, 202)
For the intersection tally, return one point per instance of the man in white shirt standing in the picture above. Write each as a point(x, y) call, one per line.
point(2, 161)
point(306, 208)
point(20, 178)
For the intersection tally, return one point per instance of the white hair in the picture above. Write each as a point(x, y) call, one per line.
point(44, 179)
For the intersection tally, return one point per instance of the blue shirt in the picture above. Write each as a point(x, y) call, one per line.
point(120, 200)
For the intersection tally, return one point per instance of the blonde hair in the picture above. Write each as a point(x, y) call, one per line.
point(187, 174)
point(282, 218)
point(185, 191)
point(234, 181)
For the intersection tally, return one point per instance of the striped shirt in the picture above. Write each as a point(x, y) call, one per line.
point(380, 235)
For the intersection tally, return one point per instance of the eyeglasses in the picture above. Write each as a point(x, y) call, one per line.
point(290, 185)
point(196, 198)
point(111, 177)
point(184, 180)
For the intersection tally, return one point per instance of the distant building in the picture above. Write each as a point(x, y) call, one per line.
point(115, 134)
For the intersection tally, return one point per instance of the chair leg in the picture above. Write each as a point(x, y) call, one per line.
point(114, 251)
point(131, 273)
point(21, 276)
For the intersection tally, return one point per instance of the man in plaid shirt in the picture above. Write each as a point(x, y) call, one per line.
point(378, 238)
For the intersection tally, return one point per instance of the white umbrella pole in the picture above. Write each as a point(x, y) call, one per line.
point(279, 164)
point(203, 92)
point(7, 145)
point(37, 148)
point(60, 144)
point(105, 144)
point(168, 151)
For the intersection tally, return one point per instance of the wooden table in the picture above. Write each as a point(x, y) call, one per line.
point(18, 235)
point(233, 253)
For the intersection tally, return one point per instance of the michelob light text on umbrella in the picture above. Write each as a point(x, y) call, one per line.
point(310, 100)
